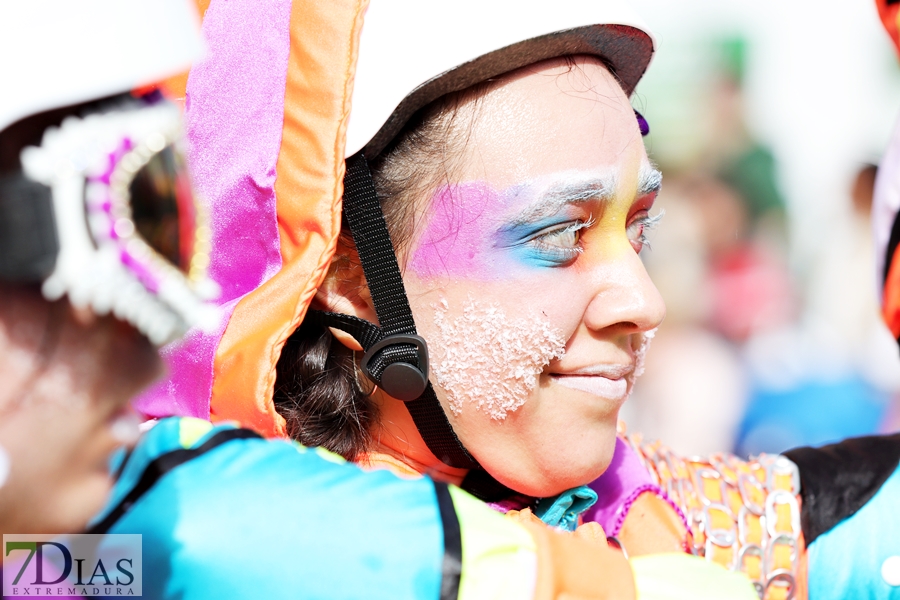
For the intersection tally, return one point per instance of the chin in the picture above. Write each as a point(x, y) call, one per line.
point(549, 475)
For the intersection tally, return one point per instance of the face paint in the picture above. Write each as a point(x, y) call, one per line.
point(477, 232)
point(640, 355)
point(489, 359)
point(5, 466)
point(457, 232)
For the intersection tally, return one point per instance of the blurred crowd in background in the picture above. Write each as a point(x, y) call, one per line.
point(766, 124)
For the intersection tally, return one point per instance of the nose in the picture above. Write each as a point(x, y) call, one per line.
point(626, 298)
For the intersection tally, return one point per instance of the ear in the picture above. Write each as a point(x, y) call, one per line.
point(345, 291)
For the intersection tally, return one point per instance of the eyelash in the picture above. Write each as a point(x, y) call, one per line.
point(564, 253)
point(646, 223)
point(561, 253)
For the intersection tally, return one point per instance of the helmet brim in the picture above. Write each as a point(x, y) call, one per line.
point(625, 50)
point(413, 52)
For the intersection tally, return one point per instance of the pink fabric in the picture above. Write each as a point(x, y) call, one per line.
point(517, 502)
point(619, 487)
point(234, 115)
point(187, 387)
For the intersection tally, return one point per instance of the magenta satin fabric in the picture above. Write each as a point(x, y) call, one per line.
point(618, 488)
point(234, 112)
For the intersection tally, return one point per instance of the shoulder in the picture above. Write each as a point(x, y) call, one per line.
point(226, 513)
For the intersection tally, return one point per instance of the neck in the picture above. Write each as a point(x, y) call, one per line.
point(399, 438)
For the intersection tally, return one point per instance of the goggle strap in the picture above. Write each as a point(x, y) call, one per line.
point(29, 244)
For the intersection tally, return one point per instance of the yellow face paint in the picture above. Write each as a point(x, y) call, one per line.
point(477, 232)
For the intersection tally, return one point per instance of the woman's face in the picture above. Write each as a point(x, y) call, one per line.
point(525, 280)
point(67, 378)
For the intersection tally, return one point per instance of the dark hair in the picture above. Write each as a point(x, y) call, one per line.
point(317, 388)
point(317, 393)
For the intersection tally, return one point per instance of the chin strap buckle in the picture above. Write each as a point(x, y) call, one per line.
point(400, 379)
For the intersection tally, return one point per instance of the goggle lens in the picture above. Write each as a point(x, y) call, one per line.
point(163, 208)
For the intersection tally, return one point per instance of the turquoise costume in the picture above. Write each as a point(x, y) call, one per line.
point(203, 497)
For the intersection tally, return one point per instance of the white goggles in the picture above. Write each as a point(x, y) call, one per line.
point(131, 233)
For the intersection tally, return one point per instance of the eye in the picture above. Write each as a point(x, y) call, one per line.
point(560, 244)
point(562, 237)
point(638, 228)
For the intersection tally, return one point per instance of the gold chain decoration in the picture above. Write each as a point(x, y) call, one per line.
point(743, 515)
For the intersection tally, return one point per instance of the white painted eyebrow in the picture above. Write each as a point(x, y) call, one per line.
point(564, 193)
point(649, 180)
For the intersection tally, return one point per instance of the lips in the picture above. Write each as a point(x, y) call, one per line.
point(613, 389)
point(609, 382)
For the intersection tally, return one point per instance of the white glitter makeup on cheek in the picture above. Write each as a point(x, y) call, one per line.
point(488, 359)
point(640, 355)
point(4, 466)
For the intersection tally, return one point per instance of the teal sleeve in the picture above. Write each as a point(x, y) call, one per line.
point(847, 562)
point(254, 518)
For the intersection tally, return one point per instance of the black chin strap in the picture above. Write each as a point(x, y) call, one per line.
point(396, 357)
point(426, 410)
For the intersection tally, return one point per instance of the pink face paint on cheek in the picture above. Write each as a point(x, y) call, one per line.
point(457, 238)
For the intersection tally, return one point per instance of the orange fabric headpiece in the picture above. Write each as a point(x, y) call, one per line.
point(266, 122)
